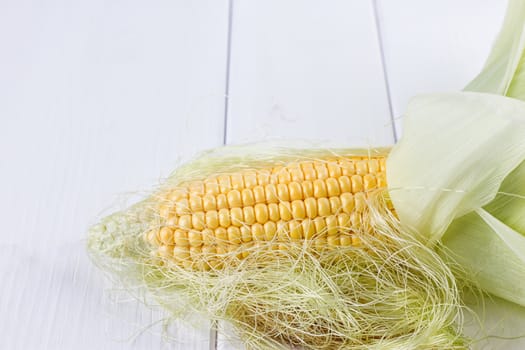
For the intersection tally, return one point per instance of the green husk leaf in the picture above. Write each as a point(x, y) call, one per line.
point(504, 71)
point(479, 140)
point(509, 204)
point(491, 242)
point(492, 252)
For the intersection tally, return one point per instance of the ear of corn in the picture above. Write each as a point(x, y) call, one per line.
point(301, 251)
point(322, 201)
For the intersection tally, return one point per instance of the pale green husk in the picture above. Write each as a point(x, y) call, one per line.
point(441, 187)
point(504, 71)
point(393, 292)
point(466, 187)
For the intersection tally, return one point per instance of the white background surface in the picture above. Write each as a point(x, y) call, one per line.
point(100, 99)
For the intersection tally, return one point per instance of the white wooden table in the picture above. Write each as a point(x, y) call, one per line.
point(100, 99)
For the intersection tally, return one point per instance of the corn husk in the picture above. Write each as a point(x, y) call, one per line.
point(470, 193)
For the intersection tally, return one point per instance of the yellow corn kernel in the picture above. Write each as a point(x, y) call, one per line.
point(224, 218)
point(296, 173)
point(222, 201)
point(237, 181)
point(259, 195)
point(285, 211)
point(246, 232)
point(181, 253)
point(296, 230)
point(308, 189)
point(310, 205)
point(259, 231)
point(323, 201)
point(323, 207)
point(320, 189)
point(249, 215)
point(335, 204)
point(195, 238)
point(237, 217)
point(250, 179)
point(346, 240)
point(308, 228)
point(332, 187)
point(234, 199)
point(221, 235)
point(347, 167)
point(369, 182)
point(298, 209)
point(212, 219)
point(181, 238)
point(234, 235)
point(208, 237)
point(295, 191)
point(166, 210)
point(321, 170)
point(182, 207)
point(361, 167)
point(211, 186)
point(209, 202)
point(347, 202)
point(334, 169)
point(270, 228)
point(166, 251)
point(308, 171)
point(357, 183)
point(166, 236)
point(270, 191)
point(283, 231)
point(185, 222)
point(261, 213)
point(198, 221)
point(331, 225)
point(333, 241)
point(247, 197)
point(360, 201)
point(282, 192)
point(172, 221)
point(345, 184)
point(195, 202)
point(273, 212)
point(320, 225)
point(283, 176)
point(224, 183)
point(152, 237)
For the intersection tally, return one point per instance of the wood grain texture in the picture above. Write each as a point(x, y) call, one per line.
point(98, 100)
point(435, 46)
point(307, 69)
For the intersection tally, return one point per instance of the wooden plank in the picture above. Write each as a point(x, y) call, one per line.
point(99, 100)
point(433, 46)
point(306, 70)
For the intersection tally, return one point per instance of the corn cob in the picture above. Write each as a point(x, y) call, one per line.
point(320, 200)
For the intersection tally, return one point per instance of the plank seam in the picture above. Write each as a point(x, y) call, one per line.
point(228, 64)
point(213, 330)
point(384, 66)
